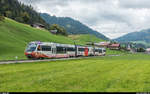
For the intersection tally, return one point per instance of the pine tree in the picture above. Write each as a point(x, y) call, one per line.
point(22, 13)
point(2, 18)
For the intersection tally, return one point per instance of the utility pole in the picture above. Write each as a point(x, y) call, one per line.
point(75, 49)
point(93, 47)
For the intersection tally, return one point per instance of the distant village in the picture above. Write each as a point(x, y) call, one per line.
point(131, 47)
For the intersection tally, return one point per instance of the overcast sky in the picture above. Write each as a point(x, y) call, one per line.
point(113, 18)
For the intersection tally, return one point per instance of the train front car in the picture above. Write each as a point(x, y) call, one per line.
point(30, 50)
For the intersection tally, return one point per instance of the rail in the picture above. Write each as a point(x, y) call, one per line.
point(29, 61)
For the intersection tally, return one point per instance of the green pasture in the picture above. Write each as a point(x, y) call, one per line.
point(126, 73)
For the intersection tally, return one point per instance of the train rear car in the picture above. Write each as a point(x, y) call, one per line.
point(100, 51)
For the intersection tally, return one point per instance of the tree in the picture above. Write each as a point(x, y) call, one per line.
point(20, 12)
point(8, 13)
point(19, 19)
point(140, 50)
point(25, 17)
point(1, 17)
point(60, 30)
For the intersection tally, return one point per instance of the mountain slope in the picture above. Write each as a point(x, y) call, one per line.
point(85, 38)
point(141, 37)
point(15, 36)
point(19, 12)
point(72, 26)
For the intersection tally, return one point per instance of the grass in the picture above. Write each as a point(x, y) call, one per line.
point(85, 38)
point(127, 73)
point(15, 36)
point(116, 52)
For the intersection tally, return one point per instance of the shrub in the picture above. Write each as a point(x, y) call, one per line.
point(2, 18)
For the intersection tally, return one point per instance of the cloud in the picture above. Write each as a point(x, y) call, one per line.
point(135, 3)
point(113, 18)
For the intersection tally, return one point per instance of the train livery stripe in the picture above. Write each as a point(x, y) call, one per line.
point(86, 51)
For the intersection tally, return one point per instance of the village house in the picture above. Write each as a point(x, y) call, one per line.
point(115, 46)
point(38, 25)
point(148, 50)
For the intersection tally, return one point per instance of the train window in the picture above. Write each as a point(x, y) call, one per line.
point(104, 50)
point(61, 49)
point(100, 50)
point(39, 48)
point(70, 49)
point(31, 47)
point(96, 50)
point(81, 49)
point(46, 48)
point(88, 49)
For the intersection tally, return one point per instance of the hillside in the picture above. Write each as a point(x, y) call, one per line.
point(72, 26)
point(15, 37)
point(85, 38)
point(19, 12)
point(142, 37)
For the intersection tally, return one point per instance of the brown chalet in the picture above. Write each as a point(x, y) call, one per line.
point(38, 25)
point(114, 46)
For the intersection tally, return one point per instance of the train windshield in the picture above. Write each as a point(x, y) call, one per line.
point(31, 47)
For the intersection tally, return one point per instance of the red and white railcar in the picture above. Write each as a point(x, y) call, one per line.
point(39, 50)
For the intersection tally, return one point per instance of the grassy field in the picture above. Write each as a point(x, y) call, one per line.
point(116, 52)
point(130, 72)
point(85, 38)
point(15, 36)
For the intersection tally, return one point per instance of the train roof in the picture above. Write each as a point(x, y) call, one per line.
point(58, 44)
point(51, 43)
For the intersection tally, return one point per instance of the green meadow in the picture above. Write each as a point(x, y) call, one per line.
point(85, 38)
point(15, 36)
point(126, 73)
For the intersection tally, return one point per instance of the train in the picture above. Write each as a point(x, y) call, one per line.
point(42, 50)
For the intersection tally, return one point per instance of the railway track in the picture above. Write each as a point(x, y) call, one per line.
point(29, 61)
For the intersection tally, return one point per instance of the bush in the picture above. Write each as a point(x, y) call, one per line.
point(60, 30)
point(140, 50)
point(2, 18)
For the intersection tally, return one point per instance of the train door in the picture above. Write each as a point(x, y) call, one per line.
point(54, 51)
point(76, 51)
point(86, 50)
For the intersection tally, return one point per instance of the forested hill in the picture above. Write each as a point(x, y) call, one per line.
point(22, 13)
point(141, 37)
point(72, 26)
